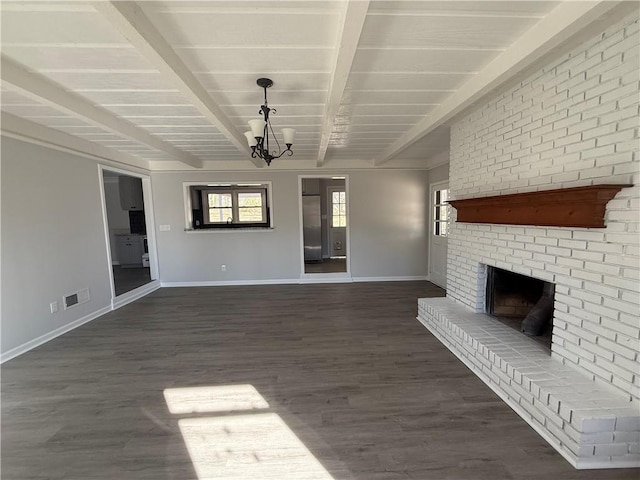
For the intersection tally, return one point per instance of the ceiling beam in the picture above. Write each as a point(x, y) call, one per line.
point(559, 26)
point(131, 21)
point(42, 89)
point(353, 22)
point(28, 131)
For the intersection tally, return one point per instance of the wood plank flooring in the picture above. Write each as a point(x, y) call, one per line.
point(345, 374)
point(126, 279)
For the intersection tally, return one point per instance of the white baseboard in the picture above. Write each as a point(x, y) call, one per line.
point(323, 279)
point(390, 279)
point(228, 283)
point(310, 278)
point(36, 342)
point(131, 296)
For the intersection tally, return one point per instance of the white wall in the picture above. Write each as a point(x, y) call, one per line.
point(53, 240)
point(387, 215)
point(572, 123)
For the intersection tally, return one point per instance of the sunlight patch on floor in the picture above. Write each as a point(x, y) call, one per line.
point(258, 446)
point(225, 445)
point(224, 398)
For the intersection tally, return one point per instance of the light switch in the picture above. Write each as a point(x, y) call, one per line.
point(165, 228)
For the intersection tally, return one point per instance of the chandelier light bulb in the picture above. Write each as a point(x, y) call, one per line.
point(257, 127)
point(288, 134)
point(251, 140)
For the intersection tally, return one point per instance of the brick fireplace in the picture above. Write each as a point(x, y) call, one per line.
point(573, 123)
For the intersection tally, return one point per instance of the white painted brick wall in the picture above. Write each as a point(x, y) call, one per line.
point(573, 123)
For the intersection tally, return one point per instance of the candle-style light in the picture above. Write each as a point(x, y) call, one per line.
point(258, 137)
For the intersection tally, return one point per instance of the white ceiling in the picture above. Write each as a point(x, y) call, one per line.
point(173, 83)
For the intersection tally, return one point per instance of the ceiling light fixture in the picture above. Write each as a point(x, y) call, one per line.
point(258, 136)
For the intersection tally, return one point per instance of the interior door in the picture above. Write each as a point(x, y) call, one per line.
point(439, 231)
point(337, 221)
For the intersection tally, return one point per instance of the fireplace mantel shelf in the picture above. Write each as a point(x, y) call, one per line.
point(567, 207)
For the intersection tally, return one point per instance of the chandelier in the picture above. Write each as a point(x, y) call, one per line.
point(258, 136)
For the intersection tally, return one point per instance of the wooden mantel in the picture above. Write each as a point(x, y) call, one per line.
point(566, 207)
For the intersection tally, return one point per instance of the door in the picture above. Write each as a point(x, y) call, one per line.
point(439, 231)
point(337, 222)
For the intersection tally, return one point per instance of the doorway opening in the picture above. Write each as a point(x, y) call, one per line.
point(126, 215)
point(325, 223)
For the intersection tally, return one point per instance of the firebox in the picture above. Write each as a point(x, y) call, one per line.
point(524, 303)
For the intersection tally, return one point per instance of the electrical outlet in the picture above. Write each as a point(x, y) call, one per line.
point(54, 307)
point(223, 268)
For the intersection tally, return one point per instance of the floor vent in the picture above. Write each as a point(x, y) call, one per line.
point(76, 298)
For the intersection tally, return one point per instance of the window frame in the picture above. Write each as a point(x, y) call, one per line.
point(196, 205)
point(234, 191)
point(441, 214)
point(334, 216)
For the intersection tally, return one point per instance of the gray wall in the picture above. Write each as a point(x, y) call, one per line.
point(389, 223)
point(388, 229)
point(439, 174)
point(52, 240)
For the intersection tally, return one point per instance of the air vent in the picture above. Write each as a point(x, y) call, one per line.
point(77, 298)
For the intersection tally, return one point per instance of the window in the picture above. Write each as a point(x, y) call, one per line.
point(441, 213)
point(230, 206)
point(338, 209)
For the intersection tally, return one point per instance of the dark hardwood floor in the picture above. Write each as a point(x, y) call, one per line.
point(347, 385)
point(327, 265)
point(127, 279)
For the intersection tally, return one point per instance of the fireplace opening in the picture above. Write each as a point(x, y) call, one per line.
point(523, 303)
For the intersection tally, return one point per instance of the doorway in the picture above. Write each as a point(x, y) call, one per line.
point(324, 207)
point(125, 214)
point(438, 233)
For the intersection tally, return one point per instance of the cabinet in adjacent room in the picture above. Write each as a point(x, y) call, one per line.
point(130, 193)
point(130, 250)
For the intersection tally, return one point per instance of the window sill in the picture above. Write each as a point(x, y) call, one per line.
point(229, 230)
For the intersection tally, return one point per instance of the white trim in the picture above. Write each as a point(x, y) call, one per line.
point(205, 231)
point(149, 222)
point(216, 283)
point(188, 216)
point(432, 188)
point(300, 221)
point(36, 342)
point(105, 225)
point(315, 278)
point(391, 279)
point(150, 227)
point(321, 278)
point(135, 294)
